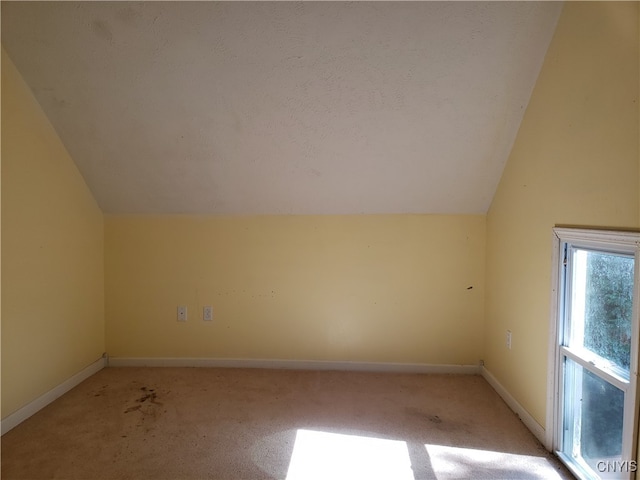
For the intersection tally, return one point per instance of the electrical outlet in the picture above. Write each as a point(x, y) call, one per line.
point(509, 339)
point(207, 313)
point(182, 313)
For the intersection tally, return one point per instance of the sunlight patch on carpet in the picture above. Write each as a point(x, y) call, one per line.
point(454, 462)
point(322, 455)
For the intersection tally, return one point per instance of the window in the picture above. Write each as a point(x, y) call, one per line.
point(595, 352)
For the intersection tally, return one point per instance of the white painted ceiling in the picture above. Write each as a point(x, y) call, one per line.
point(284, 108)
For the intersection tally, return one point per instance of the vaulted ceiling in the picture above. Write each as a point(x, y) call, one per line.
point(284, 108)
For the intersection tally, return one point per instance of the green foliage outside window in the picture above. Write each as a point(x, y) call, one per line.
point(609, 307)
point(609, 299)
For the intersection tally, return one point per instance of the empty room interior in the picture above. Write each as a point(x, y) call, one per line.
point(319, 239)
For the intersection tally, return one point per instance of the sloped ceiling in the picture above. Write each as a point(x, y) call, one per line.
point(284, 108)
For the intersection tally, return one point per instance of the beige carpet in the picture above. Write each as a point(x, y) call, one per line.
point(202, 423)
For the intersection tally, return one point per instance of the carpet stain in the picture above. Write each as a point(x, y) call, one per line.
point(150, 395)
point(424, 416)
point(435, 419)
point(444, 425)
point(100, 392)
point(149, 399)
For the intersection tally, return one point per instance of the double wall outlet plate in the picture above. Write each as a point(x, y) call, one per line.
point(207, 313)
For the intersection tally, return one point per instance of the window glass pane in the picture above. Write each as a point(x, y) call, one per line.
point(602, 303)
point(592, 417)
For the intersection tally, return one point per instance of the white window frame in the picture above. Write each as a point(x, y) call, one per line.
point(607, 240)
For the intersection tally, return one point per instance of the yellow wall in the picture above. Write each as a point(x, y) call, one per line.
point(344, 288)
point(574, 162)
point(52, 254)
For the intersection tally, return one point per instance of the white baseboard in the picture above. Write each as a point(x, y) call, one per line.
point(42, 401)
point(294, 365)
point(519, 410)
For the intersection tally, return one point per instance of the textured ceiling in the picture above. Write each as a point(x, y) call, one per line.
point(284, 108)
